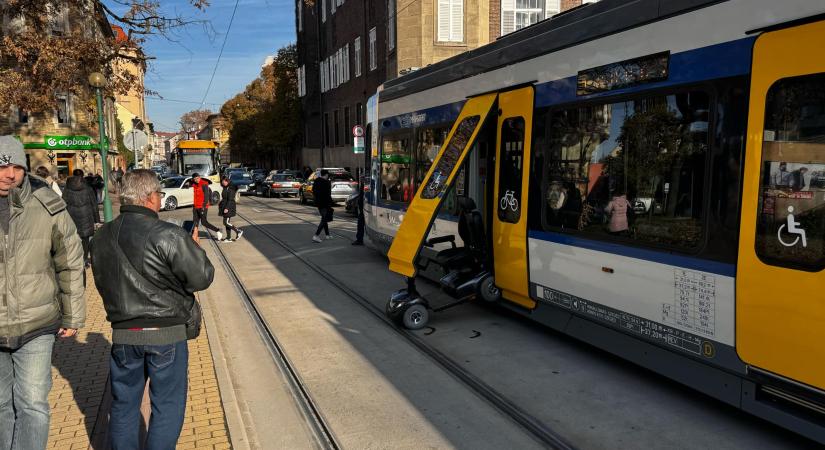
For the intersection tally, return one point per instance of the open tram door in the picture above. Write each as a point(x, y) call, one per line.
point(780, 305)
point(466, 268)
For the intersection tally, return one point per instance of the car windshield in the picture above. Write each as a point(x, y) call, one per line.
point(239, 176)
point(171, 182)
point(283, 178)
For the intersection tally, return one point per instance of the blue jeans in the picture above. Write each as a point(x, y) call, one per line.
point(25, 382)
point(129, 367)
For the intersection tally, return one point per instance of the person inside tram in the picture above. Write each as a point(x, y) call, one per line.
point(797, 179)
point(617, 210)
point(572, 208)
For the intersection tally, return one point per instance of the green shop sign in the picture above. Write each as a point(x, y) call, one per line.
point(395, 159)
point(65, 143)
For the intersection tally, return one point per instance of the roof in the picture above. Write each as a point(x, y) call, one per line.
point(573, 27)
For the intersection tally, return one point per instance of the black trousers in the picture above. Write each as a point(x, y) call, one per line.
point(85, 242)
point(323, 225)
point(199, 217)
point(229, 227)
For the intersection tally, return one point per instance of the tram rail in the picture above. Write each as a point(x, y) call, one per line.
point(321, 432)
point(541, 432)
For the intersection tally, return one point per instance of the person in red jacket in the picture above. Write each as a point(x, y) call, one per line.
point(200, 206)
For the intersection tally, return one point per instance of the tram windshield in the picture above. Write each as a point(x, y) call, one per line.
point(202, 164)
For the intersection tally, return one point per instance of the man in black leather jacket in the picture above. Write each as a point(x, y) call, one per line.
point(147, 271)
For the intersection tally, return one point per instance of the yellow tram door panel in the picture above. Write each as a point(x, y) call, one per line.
point(509, 226)
point(422, 210)
point(780, 305)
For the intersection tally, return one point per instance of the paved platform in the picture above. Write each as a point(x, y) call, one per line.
point(79, 398)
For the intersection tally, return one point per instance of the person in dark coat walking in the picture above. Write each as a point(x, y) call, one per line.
point(81, 202)
point(227, 208)
point(322, 195)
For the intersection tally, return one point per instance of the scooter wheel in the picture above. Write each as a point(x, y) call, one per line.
point(415, 317)
point(488, 290)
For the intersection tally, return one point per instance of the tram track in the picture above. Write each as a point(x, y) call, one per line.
point(535, 427)
point(322, 434)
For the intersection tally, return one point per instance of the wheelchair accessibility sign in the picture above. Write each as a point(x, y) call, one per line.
point(791, 227)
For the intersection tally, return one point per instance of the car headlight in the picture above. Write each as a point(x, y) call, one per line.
point(162, 194)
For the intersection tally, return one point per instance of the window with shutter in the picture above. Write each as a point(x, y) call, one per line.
point(346, 63)
point(332, 5)
point(357, 47)
point(323, 5)
point(456, 20)
point(508, 16)
point(391, 25)
point(551, 8)
point(451, 20)
point(373, 58)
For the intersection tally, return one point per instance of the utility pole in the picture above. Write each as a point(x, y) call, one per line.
point(319, 4)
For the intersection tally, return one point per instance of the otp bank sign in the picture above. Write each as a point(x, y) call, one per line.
point(69, 142)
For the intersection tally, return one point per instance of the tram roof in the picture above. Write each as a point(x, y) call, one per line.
point(585, 23)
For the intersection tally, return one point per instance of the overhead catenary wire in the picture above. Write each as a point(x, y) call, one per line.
point(220, 54)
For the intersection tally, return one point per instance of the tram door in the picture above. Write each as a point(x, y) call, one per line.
point(441, 176)
point(509, 227)
point(780, 306)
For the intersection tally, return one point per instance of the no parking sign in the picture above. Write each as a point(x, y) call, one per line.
point(358, 139)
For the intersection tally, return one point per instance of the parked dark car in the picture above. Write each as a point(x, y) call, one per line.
point(228, 171)
point(279, 185)
point(243, 181)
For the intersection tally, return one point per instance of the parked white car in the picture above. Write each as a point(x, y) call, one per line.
point(177, 191)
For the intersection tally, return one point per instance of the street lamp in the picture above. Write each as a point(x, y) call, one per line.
point(97, 81)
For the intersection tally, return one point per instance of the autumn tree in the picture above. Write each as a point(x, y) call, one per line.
point(264, 120)
point(49, 46)
point(195, 119)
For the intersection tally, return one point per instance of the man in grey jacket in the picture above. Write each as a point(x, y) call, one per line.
point(41, 283)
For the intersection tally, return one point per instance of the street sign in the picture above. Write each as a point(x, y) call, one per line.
point(135, 140)
point(358, 139)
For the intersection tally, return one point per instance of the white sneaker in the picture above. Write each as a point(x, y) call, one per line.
point(316, 239)
point(220, 235)
point(329, 236)
point(240, 233)
point(227, 240)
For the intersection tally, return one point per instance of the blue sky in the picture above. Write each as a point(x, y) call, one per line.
point(181, 70)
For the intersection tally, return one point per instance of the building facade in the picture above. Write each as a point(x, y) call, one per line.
point(343, 56)
point(66, 138)
point(215, 131)
point(131, 106)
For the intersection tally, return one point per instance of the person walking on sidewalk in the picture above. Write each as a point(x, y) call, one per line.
point(200, 206)
point(44, 173)
point(322, 195)
point(227, 208)
point(147, 271)
point(41, 280)
point(81, 202)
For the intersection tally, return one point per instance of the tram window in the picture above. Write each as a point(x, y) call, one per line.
point(511, 162)
point(428, 142)
point(452, 153)
point(632, 170)
point(396, 182)
point(790, 229)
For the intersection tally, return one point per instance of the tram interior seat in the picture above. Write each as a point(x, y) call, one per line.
point(461, 264)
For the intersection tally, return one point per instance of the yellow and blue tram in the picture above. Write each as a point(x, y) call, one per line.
point(651, 177)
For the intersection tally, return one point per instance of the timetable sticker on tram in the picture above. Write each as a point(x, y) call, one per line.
point(649, 329)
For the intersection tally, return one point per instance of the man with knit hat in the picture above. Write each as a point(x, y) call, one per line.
point(43, 295)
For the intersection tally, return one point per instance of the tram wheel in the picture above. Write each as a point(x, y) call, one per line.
point(415, 317)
